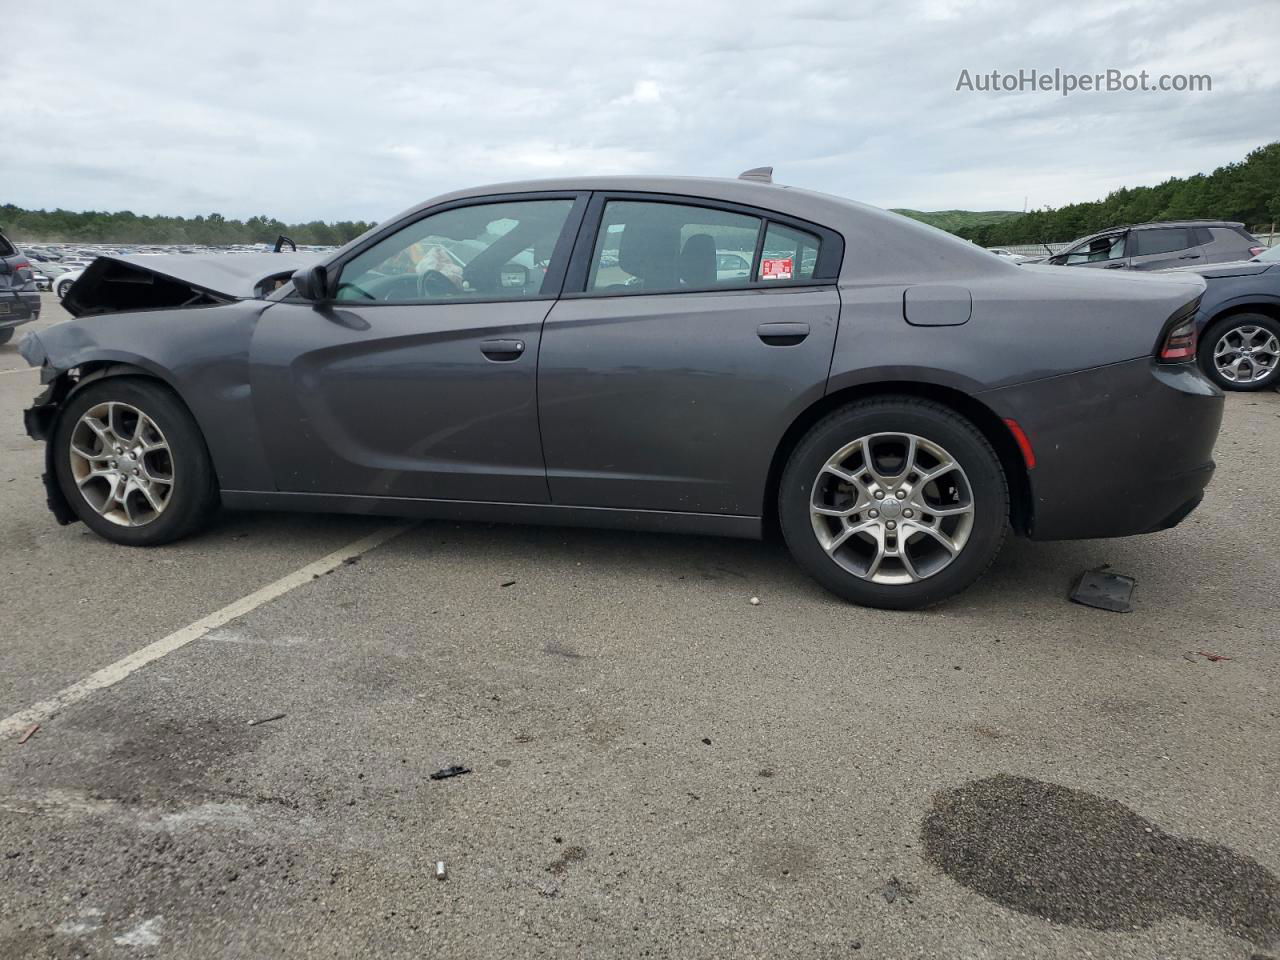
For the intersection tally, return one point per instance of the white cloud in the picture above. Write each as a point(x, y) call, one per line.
point(357, 111)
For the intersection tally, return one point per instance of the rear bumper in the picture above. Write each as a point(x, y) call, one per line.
point(1120, 450)
point(18, 307)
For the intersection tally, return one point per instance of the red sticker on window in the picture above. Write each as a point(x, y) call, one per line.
point(775, 269)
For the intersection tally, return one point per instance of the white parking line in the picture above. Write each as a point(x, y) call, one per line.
point(107, 676)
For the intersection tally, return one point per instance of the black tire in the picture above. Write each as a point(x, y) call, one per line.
point(62, 289)
point(931, 422)
point(1217, 330)
point(6, 335)
point(195, 493)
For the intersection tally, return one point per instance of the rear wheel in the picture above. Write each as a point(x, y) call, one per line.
point(895, 502)
point(6, 335)
point(1242, 352)
point(132, 462)
point(63, 287)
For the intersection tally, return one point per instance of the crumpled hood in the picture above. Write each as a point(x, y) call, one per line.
point(114, 283)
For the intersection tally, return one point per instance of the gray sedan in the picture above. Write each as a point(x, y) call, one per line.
point(894, 399)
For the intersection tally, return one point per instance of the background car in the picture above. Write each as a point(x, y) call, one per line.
point(19, 297)
point(895, 412)
point(1159, 246)
point(64, 281)
point(1239, 320)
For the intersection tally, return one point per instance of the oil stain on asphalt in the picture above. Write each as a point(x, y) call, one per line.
point(1075, 858)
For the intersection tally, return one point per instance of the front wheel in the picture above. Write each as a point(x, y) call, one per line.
point(895, 502)
point(1242, 352)
point(132, 462)
point(63, 288)
point(6, 335)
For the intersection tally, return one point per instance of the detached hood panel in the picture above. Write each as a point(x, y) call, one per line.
point(114, 284)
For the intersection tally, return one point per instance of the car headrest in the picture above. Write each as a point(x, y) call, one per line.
point(698, 261)
point(648, 250)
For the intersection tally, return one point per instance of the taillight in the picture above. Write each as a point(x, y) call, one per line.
point(1179, 343)
point(1256, 251)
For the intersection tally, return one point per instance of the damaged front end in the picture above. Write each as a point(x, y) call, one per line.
point(124, 308)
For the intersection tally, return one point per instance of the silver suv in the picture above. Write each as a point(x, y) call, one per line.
point(1157, 246)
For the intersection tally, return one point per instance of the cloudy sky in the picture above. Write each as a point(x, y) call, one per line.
point(357, 110)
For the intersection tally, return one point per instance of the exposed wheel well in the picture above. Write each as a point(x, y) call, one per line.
point(976, 412)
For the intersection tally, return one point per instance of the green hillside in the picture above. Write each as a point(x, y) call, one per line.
point(955, 221)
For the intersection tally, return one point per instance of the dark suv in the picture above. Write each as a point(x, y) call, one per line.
point(1157, 246)
point(19, 299)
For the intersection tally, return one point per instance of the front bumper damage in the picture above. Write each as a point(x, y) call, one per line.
point(39, 420)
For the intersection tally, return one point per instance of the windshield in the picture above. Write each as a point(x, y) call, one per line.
point(1270, 255)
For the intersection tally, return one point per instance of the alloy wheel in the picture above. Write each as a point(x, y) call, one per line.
point(1246, 354)
point(121, 464)
point(892, 508)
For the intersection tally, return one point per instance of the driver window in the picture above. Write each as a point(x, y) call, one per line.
point(1099, 249)
point(490, 251)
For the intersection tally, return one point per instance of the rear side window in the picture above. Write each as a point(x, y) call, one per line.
point(789, 254)
point(1148, 242)
point(7, 249)
point(667, 247)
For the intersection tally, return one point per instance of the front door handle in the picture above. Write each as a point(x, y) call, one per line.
point(1190, 256)
point(782, 334)
point(502, 351)
point(1114, 266)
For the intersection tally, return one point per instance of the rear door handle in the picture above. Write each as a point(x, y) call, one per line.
point(1190, 256)
point(782, 334)
point(1114, 266)
point(502, 351)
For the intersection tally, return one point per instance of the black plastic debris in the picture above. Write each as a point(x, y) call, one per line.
point(270, 719)
point(447, 772)
point(1106, 591)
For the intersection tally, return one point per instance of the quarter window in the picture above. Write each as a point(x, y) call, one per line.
point(666, 247)
point(489, 251)
point(789, 254)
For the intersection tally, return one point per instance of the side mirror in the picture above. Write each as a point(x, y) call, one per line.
point(1059, 260)
point(312, 283)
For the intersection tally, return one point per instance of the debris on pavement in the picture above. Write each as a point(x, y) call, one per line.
point(276, 716)
point(896, 888)
point(28, 733)
point(447, 772)
point(508, 583)
point(707, 741)
point(441, 873)
point(1212, 657)
point(755, 601)
point(1105, 591)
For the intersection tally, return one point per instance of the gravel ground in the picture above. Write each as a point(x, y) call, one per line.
point(658, 767)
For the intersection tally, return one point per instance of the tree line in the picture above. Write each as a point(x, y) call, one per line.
point(93, 226)
point(1247, 191)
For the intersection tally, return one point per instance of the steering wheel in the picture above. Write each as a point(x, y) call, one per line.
point(433, 283)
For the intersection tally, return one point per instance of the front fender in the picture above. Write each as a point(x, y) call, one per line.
point(201, 353)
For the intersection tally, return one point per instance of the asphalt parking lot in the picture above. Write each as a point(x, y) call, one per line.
point(658, 767)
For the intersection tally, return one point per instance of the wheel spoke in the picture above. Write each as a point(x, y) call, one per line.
point(947, 543)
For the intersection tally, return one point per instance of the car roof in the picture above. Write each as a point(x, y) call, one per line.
point(1159, 224)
